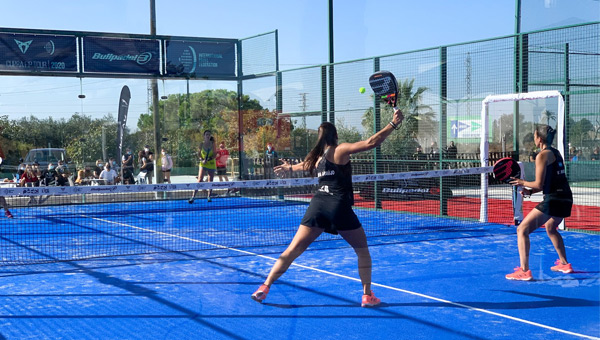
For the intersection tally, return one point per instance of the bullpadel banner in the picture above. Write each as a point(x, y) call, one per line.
point(121, 55)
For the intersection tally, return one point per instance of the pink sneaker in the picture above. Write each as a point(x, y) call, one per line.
point(520, 275)
point(8, 214)
point(559, 267)
point(369, 300)
point(261, 293)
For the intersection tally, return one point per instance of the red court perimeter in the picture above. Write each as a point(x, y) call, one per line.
point(499, 211)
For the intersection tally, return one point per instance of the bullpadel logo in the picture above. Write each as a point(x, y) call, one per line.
point(141, 59)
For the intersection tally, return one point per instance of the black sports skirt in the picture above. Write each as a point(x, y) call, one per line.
point(330, 213)
point(557, 206)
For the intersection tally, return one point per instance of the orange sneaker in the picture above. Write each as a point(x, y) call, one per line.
point(520, 275)
point(261, 293)
point(559, 267)
point(369, 300)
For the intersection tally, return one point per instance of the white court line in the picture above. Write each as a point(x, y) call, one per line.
point(356, 279)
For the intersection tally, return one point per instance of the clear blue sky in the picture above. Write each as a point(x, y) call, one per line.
point(363, 28)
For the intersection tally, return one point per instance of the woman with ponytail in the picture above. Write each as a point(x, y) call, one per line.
point(551, 179)
point(330, 210)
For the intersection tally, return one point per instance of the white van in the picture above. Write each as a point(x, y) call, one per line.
point(46, 156)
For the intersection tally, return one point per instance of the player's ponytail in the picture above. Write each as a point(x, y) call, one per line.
point(327, 136)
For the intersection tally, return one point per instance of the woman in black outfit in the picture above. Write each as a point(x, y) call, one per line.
point(330, 209)
point(551, 179)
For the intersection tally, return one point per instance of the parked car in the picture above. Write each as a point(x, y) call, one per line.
point(46, 156)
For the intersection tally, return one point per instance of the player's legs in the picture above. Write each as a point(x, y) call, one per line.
point(358, 240)
point(210, 178)
point(532, 221)
point(556, 238)
point(303, 238)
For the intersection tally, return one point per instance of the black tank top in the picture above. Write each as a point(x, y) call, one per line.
point(335, 180)
point(555, 181)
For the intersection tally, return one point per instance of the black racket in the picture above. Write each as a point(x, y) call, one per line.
point(505, 168)
point(385, 86)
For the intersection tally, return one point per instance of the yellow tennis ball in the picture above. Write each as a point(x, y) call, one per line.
point(361, 90)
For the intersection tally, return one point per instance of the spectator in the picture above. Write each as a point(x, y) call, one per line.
point(37, 171)
point(62, 172)
point(532, 155)
point(29, 178)
point(578, 156)
point(149, 163)
point(452, 151)
point(114, 165)
point(108, 175)
point(84, 176)
point(142, 162)
point(98, 168)
point(49, 175)
point(572, 152)
point(222, 157)
point(434, 149)
point(270, 160)
point(20, 168)
point(595, 156)
point(127, 166)
point(418, 156)
point(166, 165)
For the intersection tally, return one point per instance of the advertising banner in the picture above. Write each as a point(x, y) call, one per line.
point(121, 55)
point(37, 53)
point(198, 59)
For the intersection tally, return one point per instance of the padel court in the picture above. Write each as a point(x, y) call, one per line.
point(443, 283)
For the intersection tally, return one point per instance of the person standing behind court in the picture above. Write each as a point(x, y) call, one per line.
point(222, 157)
point(270, 160)
point(166, 165)
point(149, 156)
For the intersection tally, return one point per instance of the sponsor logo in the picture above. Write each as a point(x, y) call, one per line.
point(23, 45)
point(141, 59)
point(102, 189)
point(222, 185)
point(404, 190)
point(271, 183)
point(326, 173)
point(159, 187)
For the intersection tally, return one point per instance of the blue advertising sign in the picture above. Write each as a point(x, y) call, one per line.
point(200, 58)
point(37, 53)
point(121, 55)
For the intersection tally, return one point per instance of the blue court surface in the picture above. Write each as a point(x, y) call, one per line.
point(446, 284)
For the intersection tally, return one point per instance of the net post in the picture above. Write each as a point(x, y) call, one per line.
point(483, 155)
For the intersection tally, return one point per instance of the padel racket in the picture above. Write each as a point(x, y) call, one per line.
point(505, 169)
point(385, 86)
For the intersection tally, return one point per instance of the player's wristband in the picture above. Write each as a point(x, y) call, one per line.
point(394, 126)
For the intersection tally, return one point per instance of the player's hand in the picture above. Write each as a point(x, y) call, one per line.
point(516, 182)
point(280, 170)
point(398, 117)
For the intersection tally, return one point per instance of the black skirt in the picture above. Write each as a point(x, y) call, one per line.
point(556, 205)
point(330, 213)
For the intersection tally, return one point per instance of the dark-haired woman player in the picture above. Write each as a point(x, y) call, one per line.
point(330, 209)
point(551, 179)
